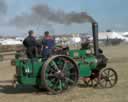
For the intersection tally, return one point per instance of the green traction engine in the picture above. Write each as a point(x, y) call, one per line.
point(62, 71)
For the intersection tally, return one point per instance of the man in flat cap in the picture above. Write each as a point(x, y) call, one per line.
point(30, 44)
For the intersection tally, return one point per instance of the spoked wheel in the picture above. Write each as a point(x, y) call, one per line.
point(59, 73)
point(107, 78)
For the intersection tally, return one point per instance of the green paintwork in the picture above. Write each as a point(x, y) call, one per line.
point(86, 63)
point(25, 75)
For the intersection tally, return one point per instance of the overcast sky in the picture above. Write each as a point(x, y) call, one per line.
point(110, 14)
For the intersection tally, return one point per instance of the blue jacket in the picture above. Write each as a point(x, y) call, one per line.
point(49, 42)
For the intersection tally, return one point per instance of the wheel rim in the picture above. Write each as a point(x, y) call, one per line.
point(59, 73)
point(108, 78)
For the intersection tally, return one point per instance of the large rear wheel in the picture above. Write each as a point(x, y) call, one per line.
point(59, 73)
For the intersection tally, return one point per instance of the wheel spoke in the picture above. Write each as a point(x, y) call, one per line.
point(59, 63)
point(113, 79)
point(65, 84)
point(109, 72)
point(55, 85)
point(110, 83)
point(53, 80)
point(64, 66)
point(55, 65)
point(112, 75)
point(60, 84)
point(68, 73)
point(71, 66)
point(105, 73)
point(69, 80)
point(51, 75)
point(51, 69)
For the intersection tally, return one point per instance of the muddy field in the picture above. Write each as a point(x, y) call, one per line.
point(118, 56)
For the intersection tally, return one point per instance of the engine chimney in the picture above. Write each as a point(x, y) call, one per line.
point(95, 38)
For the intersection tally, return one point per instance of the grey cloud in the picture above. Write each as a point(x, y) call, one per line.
point(3, 7)
point(42, 14)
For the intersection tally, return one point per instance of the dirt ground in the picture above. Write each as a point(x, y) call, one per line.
point(118, 56)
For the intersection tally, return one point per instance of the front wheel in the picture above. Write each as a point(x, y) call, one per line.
point(107, 78)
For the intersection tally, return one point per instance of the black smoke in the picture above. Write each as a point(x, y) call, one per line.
point(42, 14)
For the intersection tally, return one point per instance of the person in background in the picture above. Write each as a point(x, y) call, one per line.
point(30, 44)
point(48, 45)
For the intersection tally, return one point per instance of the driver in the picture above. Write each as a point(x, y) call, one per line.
point(30, 44)
point(48, 45)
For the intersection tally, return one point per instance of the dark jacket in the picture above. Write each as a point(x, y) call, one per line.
point(30, 44)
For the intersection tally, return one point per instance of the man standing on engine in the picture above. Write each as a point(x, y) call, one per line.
point(48, 44)
point(30, 44)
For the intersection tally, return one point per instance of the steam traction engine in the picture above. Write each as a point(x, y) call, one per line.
point(62, 71)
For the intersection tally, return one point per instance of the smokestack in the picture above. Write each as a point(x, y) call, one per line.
point(95, 37)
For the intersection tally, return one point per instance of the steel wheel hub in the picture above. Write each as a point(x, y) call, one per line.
point(59, 74)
